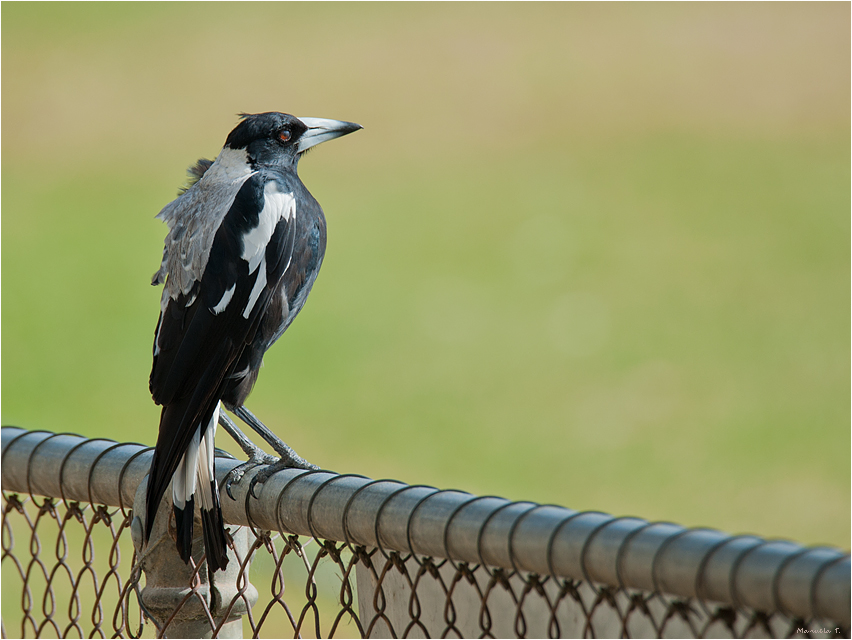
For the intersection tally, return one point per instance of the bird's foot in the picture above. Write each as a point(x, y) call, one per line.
point(257, 458)
point(290, 461)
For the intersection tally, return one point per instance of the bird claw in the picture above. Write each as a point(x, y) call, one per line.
point(236, 474)
point(279, 464)
point(251, 488)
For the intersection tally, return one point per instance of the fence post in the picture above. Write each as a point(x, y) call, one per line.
point(183, 605)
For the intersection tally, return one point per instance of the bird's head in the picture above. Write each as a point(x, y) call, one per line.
point(279, 139)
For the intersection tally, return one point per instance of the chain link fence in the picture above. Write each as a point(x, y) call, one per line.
point(318, 554)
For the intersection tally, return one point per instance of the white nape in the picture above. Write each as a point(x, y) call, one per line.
point(230, 164)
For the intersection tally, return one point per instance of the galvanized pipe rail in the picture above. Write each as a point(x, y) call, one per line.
point(743, 571)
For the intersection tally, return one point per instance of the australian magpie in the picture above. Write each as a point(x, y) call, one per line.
point(245, 243)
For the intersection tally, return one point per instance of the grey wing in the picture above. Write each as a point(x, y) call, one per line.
point(193, 218)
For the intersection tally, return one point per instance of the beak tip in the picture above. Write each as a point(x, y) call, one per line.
point(322, 129)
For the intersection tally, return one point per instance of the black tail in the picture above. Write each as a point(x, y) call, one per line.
point(184, 520)
point(163, 468)
point(172, 442)
point(212, 528)
point(215, 540)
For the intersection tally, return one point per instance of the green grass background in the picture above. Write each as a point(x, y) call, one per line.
point(595, 255)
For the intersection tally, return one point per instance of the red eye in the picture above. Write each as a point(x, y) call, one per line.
point(284, 136)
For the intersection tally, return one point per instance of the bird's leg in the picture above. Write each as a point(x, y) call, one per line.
point(289, 458)
point(256, 455)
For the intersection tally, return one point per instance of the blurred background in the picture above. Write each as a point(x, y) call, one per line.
point(596, 255)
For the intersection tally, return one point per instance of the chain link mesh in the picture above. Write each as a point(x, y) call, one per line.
point(69, 570)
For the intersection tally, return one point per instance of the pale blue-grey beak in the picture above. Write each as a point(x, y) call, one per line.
point(321, 129)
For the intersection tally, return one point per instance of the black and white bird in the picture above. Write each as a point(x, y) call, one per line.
point(245, 243)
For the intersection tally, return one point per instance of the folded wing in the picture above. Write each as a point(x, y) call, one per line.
point(201, 334)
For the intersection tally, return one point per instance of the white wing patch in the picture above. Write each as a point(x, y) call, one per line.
point(226, 298)
point(164, 303)
point(277, 205)
point(258, 287)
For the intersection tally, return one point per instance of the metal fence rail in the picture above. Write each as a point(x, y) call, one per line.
point(321, 554)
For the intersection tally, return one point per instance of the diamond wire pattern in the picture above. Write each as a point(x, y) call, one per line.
point(69, 570)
